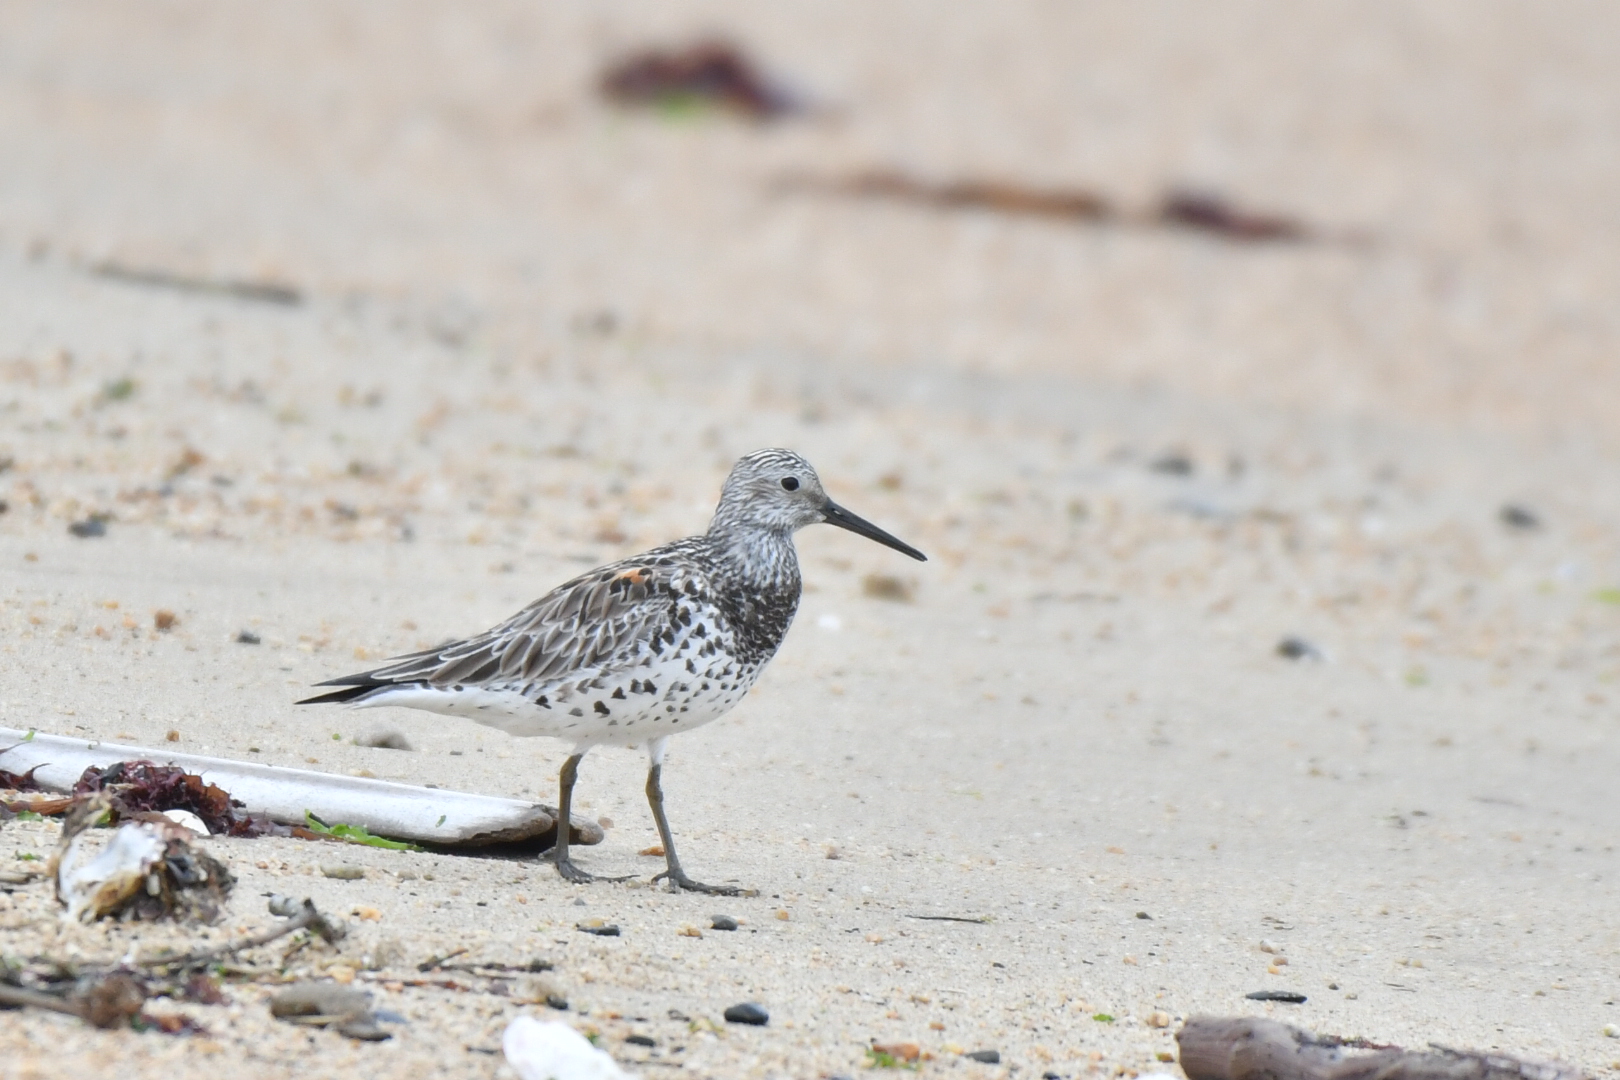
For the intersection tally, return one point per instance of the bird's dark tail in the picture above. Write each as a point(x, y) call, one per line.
point(343, 694)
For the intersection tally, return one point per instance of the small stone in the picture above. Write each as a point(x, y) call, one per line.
point(1293, 647)
point(1174, 463)
point(690, 931)
point(1158, 1020)
point(342, 871)
point(164, 619)
point(598, 927)
point(1515, 516)
point(1144, 915)
point(1165, 1055)
point(722, 922)
point(1289, 997)
point(906, 1052)
point(246, 637)
point(319, 999)
point(747, 1013)
point(172, 735)
point(385, 740)
point(887, 587)
point(89, 528)
point(1612, 1030)
point(641, 1040)
point(1268, 946)
point(782, 913)
point(989, 1057)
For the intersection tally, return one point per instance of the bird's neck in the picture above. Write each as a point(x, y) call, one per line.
point(760, 559)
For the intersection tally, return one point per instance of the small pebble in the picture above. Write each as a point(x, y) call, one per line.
point(164, 620)
point(1290, 997)
point(89, 528)
point(1515, 516)
point(599, 928)
point(723, 922)
point(342, 871)
point(1158, 1020)
point(747, 1013)
point(246, 637)
point(989, 1057)
point(1297, 648)
point(1612, 1030)
point(1144, 915)
point(641, 1040)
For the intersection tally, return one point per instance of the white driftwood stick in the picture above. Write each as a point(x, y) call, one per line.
point(400, 811)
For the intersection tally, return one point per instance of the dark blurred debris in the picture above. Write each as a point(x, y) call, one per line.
point(346, 1011)
point(1288, 997)
point(246, 637)
point(598, 927)
point(1174, 463)
point(989, 1057)
point(712, 73)
point(1201, 211)
point(139, 787)
point(888, 587)
point(950, 918)
point(1005, 197)
point(20, 781)
point(90, 528)
point(265, 292)
point(385, 740)
point(1515, 516)
point(747, 1013)
point(1293, 647)
point(1210, 213)
point(149, 870)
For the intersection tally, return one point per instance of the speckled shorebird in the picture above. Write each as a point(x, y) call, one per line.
point(638, 650)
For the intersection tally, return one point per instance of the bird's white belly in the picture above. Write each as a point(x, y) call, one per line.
point(618, 708)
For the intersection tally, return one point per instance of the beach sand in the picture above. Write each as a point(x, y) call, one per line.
point(533, 333)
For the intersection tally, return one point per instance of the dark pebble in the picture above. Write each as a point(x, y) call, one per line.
point(600, 931)
point(1144, 915)
point(989, 1057)
point(1170, 465)
point(1291, 997)
point(641, 1040)
point(723, 922)
point(747, 1013)
point(557, 1001)
point(385, 740)
point(1517, 517)
point(89, 528)
point(1297, 648)
point(246, 637)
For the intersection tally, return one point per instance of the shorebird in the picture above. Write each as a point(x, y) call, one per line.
point(639, 650)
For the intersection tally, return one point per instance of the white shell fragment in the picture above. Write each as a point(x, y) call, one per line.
point(102, 884)
point(550, 1050)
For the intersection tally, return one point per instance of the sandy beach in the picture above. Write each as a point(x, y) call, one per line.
point(521, 331)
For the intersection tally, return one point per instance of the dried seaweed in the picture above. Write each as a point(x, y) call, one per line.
point(139, 787)
point(1211, 213)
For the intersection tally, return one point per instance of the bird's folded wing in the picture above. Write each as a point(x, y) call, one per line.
point(611, 614)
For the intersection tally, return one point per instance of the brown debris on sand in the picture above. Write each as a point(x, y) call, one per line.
point(1250, 1048)
point(710, 72)
point(1181, 209)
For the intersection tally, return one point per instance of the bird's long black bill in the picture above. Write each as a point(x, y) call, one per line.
point(833, 514)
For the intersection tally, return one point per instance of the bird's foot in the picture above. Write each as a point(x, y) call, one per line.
point(678, 882)
point(570, 872)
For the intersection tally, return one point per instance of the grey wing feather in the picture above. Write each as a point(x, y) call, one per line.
point(579, 626)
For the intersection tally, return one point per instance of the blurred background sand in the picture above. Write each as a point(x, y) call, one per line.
point(533, 329)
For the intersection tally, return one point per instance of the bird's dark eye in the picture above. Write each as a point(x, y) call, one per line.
point(791, 483)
